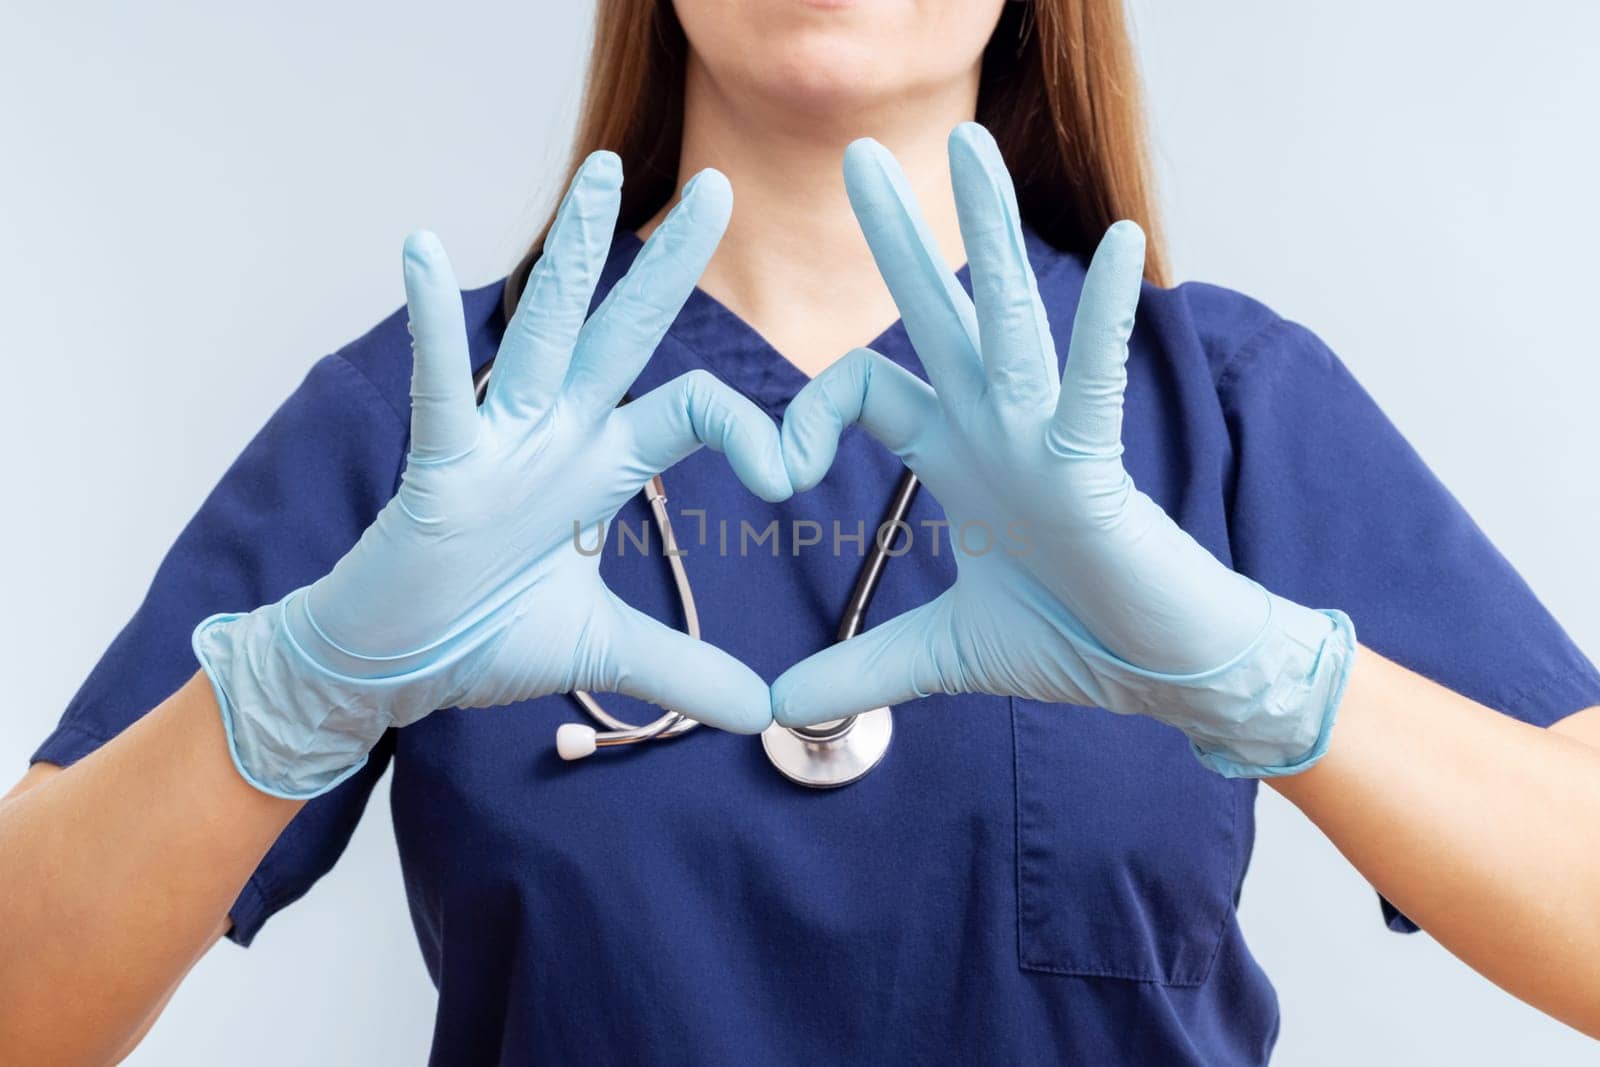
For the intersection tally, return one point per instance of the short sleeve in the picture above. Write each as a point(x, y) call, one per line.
point(1332, 508)
point(292, 503)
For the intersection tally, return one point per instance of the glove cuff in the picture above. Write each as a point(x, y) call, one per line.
point(1266, 713)
point(274, 710)
point(1276, 703)
point(301, 713)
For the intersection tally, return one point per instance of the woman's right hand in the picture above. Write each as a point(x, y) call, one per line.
point(469, 589)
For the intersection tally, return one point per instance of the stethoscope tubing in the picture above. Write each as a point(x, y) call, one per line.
point(868, 578)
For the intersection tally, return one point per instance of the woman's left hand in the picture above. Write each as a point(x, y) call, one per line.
point(1072, 585)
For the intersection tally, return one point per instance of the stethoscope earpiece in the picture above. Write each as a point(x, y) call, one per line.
point(575, 741)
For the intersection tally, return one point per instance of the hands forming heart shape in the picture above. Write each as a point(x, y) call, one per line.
point(469, 591)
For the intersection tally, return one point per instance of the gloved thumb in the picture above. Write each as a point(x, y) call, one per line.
point(639, 657)
point(910, 656)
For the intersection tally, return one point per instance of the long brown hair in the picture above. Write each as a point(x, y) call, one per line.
point(1059, 90)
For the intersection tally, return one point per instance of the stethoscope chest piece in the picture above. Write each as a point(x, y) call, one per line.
point(830, 755)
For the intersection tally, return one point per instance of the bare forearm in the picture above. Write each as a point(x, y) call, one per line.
point(1483, 830)
point(117, 875)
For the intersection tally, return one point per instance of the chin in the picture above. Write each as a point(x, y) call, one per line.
point(833, 53)
point(832, 69)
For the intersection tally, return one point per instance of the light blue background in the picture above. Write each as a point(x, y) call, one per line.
point(198, 199)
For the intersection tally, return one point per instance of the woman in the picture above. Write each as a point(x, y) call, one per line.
point(1019, 879)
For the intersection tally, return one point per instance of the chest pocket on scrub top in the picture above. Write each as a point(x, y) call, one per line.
point(1129, 852)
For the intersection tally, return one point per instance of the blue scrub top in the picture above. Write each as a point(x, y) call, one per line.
point(1017, 881)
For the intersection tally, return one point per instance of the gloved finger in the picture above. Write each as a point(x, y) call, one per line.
point(694, 409)
point(1088, 418)
point(619, 338)
point(938, 313)
point(651, 661)
point(893, 405)
point(1019, 356)
point(444, 415)
point(910, 656)
point(537, 348)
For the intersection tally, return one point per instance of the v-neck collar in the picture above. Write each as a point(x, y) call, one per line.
point(712, 336)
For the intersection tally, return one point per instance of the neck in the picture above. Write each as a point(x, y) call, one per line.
point(793, 263)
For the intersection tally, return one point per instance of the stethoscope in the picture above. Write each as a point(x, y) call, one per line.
point(824, 756)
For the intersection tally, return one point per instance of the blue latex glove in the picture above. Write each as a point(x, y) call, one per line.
point(468, 589)
point(1111, 603)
